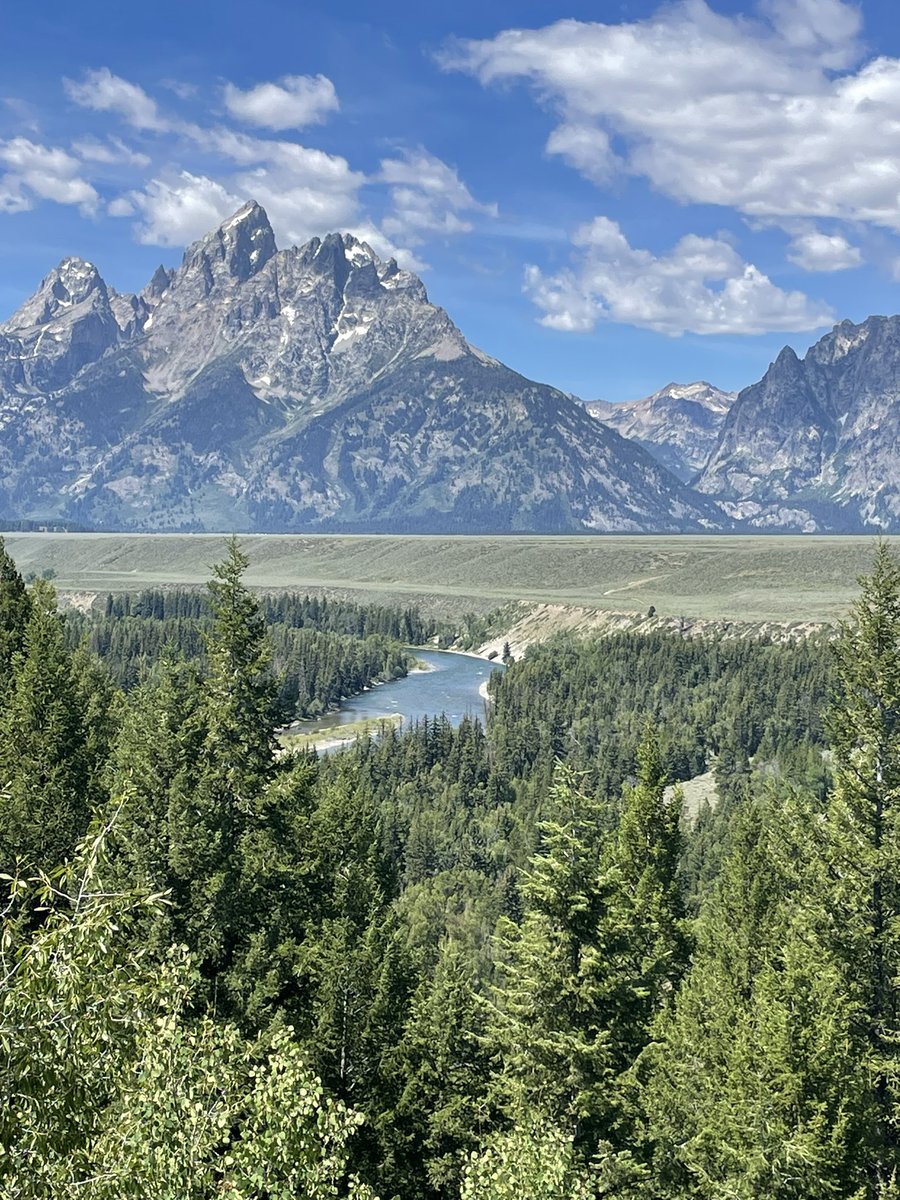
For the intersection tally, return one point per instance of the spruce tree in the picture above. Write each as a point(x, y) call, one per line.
point(442, 1067)
point(753, 1086)
point(15, 609)
point(46, 769)
point(599, 953)
point(193, 765)
point(864, 867)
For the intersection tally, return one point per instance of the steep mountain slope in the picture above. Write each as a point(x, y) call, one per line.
point(297, 389)
point(814, 445)
point(679, 424)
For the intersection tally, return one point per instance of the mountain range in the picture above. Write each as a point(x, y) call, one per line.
point(310, 388)
point(317, 388)
point(679, 424)
point(815, 445)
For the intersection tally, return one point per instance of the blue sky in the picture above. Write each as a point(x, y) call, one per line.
point(606, 196)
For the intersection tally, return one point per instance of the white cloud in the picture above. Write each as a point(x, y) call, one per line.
point(701, 286)
point(385, 247)
point(42, 172)
point(767, 115)
point(112, 151)
point(828, 29)
point(305, 191)
point(121, 206)
point(427, 197)
point(177, 211)
point(104, 92)
point(816, 251)
point(291, 103)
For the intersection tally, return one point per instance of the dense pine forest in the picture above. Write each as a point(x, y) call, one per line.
point(486, 962)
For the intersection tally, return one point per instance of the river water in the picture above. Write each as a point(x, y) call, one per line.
point(450, 686)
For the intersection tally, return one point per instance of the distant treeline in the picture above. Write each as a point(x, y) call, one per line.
point(323, 650)
point(8, 525)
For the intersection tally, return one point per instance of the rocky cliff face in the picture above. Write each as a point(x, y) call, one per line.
point(298, 389)
point(815, 445)
point(679, 425)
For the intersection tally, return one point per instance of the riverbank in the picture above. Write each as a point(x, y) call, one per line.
point(343, 735)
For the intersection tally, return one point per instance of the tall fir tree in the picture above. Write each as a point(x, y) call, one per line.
point(753, 1086)
point(442, 1068)
point(15, 609)
point(864, 865)
point(193, 764)
point(599, 953)
point(46, 766)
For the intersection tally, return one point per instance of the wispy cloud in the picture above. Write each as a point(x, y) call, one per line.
point(305, 190)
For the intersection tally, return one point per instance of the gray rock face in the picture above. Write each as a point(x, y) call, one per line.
point(815, 445)
point(679, 424)
point(299, 389)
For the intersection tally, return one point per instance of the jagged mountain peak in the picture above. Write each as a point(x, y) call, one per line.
point(343, 256)
point(160, 282)
point(813, 444)
point(699, 392)
point(239, 248)
point(311, 387)
point(72, 282)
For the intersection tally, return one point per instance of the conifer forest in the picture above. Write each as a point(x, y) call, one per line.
point(494, 960)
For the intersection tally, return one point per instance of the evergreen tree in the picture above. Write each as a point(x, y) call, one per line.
point(46, 769)
point(442, 1067)
point(600, 952)
point(154, 761)
point(194, 761)
point(15, 609)
point(754, 1087)
point(863, 899)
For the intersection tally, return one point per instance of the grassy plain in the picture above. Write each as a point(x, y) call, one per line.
point(752, 578)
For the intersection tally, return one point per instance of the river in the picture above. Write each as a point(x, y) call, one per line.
point(450, 685)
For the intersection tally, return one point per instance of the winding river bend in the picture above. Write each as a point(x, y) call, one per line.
point(450, 685)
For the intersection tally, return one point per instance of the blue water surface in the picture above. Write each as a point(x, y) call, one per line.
point(450, 686)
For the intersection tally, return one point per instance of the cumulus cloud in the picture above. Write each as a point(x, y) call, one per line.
point(179, 210)
point(816, 251)
point(306, 191)
point(701, 286)
point(767, 115)
point(41, 172)
point(291, 103)
point(385, 247)
point(121, 206)
point(427, 197)
point(104, 92)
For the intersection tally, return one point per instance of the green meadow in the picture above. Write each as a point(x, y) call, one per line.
point(777, 578)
